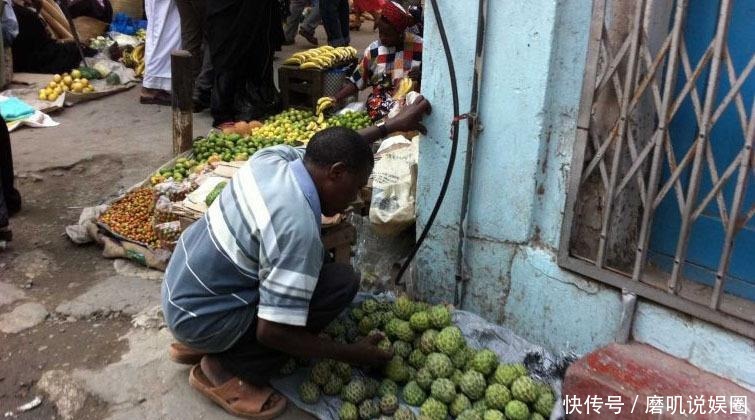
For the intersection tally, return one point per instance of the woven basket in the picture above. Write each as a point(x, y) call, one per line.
point(131, 8)
point(89, 27)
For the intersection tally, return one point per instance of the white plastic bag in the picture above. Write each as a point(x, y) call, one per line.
point(394, 185)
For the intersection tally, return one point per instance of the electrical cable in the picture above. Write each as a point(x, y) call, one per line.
point(454, 143)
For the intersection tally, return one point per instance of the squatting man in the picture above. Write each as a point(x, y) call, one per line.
point(248, 285)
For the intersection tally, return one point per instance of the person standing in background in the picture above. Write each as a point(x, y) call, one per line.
point(10, 198)
point(308, 22)
point(335, 19)
point(194, 40)
point(163, 37)
point(243, 36)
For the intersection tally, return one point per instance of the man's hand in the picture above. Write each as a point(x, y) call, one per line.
point(410, 117)
point(365, 352)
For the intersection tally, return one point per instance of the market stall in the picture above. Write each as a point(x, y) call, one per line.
point(117, 66)
point(144, 223)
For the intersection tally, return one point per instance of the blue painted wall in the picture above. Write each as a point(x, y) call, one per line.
point(534, 63)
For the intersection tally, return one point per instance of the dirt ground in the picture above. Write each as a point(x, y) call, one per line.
point(77, 330)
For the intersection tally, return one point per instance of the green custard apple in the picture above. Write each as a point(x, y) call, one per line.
point(389, 404)
point(440, 316)
point(342, 370)
point(413, 394)
point(403, 413)
point(470, 414)
point(473, 384)
point(484, 361)
point(439, 365)
point(544, 403)
point(348, 411)
point(333, 386)
point(507, 373)
point(369, 306)
point(354, 391)
point(517, 410)
point(524, 389)
point(427, 341)
point(462, 356)
point(449, 340)
point(387, 387)
point(493, 415)
point(396, 370)
point(434, 409)
point(371, 386)
point(309, 392)
point(424, 378)
point(420, 321)
point(443, 390)
point(401, 348)
point(320, 373)
point(417, 358)
point(497, 396)
point(369, 409)
point(403, 307)
point(459, 405)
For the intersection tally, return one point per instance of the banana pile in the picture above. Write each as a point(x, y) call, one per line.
point(322, 58)
point(134, 59)
point(322, 104)
point(404, 87)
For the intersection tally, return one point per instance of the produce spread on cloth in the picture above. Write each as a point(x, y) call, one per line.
point(151, 215)
point(433, 368)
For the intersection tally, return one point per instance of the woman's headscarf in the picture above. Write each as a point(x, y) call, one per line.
point(397, 16)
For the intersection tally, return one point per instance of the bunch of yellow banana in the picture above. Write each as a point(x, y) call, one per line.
point(322, 104)
point(322, 58)
point(404, 87)
point(134, 59)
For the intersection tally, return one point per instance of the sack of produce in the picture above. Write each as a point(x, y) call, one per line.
point(394, 185)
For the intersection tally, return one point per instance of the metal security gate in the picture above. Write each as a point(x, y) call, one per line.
point(628, 159)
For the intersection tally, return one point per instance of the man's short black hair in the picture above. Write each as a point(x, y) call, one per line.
point(340, 144)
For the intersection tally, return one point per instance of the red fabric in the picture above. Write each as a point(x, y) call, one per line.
point(369, 6)
point(397, 16)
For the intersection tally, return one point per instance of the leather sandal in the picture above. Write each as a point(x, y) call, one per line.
point(238, 397)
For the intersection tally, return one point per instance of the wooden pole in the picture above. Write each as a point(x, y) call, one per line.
point(182, 84)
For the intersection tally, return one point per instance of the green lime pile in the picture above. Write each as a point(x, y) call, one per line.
point(433, 368)
point(178, 172)
point(230, 147)
point(352, 120)
point(295, 125)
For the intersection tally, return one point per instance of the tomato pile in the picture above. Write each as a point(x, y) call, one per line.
point(131, 217)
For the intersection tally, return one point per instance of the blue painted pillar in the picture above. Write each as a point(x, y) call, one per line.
point(504, 179)
point(437, 259)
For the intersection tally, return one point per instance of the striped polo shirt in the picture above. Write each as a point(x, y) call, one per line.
point(257, 251)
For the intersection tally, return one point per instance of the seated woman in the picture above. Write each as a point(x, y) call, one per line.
point(395, 55)
point(35, 50)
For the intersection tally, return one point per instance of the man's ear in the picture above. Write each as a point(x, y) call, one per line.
point(337, 170)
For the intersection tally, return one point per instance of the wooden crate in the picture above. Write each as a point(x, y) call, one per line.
point(302, 88)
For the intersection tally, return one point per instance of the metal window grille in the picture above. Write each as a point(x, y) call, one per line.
point(630, 96)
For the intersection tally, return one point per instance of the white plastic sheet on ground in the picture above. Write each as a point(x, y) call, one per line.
point(478, 332)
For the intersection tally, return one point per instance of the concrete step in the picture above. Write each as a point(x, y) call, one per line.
point(637, 381)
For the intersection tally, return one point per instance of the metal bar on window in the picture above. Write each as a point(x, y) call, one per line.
point(628, 67)
point(661, 135)
point(700, 144)
point(628, 83)
point(583, 121)
point(731, 227)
